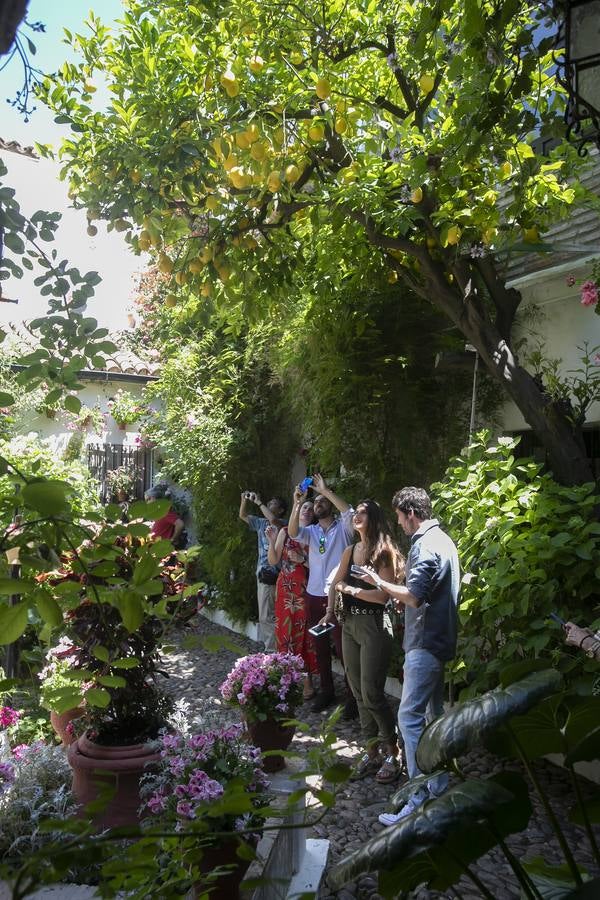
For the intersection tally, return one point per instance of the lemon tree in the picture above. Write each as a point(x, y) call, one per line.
point(258, 149)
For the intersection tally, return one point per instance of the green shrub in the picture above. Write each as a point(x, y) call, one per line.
point(527, 545)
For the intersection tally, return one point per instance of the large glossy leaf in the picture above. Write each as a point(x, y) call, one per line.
point(582, 729)
point(150, 511)
point(49, 610)
point(13, 622)
point(538, 732)
point(592, 808)
point(15, 586)
point(590, 890)
point(400, 797)
point(465, 726)
point(553, 882)
point(461, 807)
point(47, 497)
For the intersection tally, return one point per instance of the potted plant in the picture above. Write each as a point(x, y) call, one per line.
point(120, 483)
point(124, 408)
point(267, 688)
point(195, 774)
point(113, 620)
point(89, 417)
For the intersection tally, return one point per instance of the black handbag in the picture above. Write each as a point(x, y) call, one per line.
point(267, 575)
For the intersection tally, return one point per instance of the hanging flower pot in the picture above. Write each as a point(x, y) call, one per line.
point(121, 768)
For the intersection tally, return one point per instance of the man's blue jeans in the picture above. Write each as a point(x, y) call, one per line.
point(422, 701)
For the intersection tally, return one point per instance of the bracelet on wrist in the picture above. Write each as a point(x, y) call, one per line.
point(586, 637)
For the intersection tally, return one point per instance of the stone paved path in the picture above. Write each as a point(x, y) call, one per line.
point(195, 675)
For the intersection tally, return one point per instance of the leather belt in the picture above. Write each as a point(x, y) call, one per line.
point(356, 611)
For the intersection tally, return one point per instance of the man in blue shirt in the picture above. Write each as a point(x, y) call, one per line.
point(326, 541)
point(430, 599)
point(266, 575)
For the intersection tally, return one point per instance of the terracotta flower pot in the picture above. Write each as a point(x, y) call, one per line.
point(59, 722)
point(95, 766)
point(122, 426)
point(227, 887)
point(271, 735)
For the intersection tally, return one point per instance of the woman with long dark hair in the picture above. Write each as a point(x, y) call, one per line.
point(366, 641)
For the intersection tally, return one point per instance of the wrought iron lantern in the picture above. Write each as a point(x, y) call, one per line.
point(580, 36)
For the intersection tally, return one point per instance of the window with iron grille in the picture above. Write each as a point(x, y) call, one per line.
point(104, 458)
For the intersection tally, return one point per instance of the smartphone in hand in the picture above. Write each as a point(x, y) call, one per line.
point(357, 570)
point(318, 630)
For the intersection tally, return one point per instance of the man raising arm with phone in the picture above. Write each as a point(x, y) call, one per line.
point(266, 575)
point(326, 541)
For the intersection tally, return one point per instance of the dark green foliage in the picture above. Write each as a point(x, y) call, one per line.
point(528, 546)
point(348, 380)
point(436, 845)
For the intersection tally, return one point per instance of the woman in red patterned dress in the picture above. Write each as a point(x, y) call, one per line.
point(291, 628)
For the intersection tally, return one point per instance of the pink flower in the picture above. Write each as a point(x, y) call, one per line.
point(8, 716)
point(596, 359)
point(589, 293)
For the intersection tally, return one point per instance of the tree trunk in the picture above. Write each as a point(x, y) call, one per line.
point(559, 436)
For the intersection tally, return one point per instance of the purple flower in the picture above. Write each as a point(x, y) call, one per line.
point(177, 765)
point(7, 775)
point(185, 810)
point(171, 741)
point(157, 803)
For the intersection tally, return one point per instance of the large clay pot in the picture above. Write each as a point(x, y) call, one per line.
point(59, 722)
point(227, 887)
point(95, 765)
point(271, 735)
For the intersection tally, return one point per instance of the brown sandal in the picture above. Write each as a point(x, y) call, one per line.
point(389, 772)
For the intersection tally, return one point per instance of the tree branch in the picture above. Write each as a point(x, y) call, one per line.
point(506, 300)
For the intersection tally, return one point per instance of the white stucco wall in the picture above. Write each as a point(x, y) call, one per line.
point(560, 322)
point(95, 393)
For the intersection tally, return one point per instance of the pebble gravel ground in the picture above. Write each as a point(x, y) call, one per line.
point(195, 674)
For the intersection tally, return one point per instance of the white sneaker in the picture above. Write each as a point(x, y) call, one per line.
point(393, 818)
